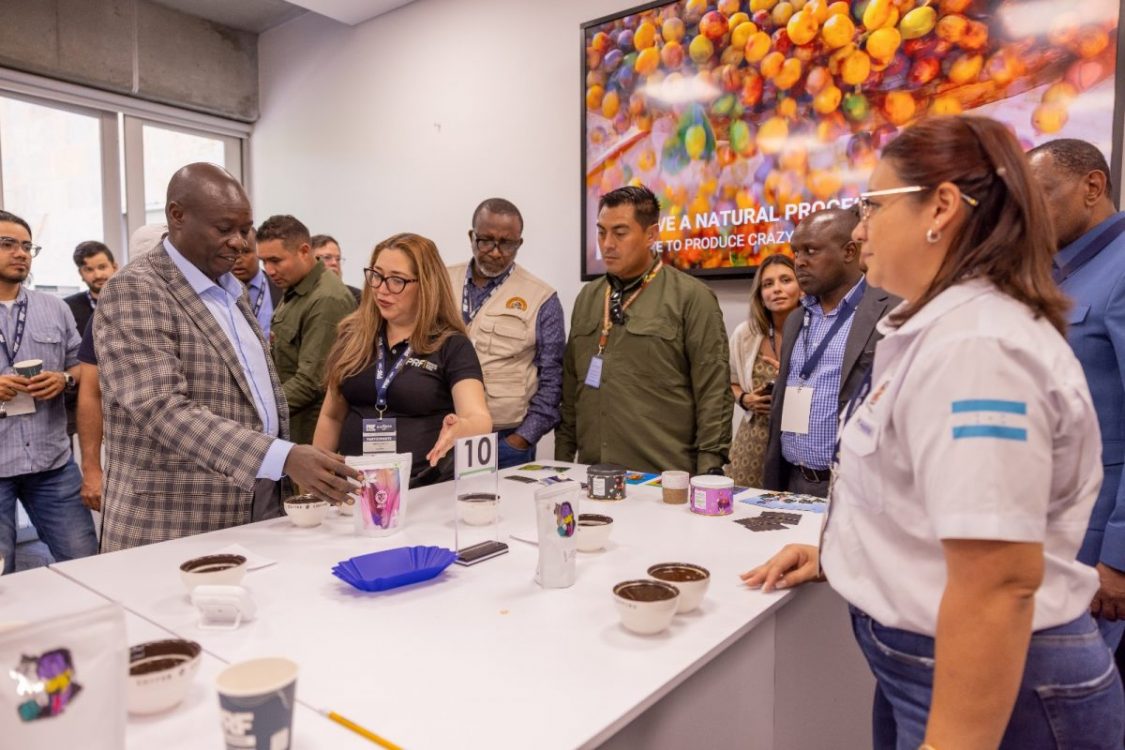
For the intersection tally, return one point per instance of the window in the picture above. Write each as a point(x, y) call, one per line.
point(165, 151)
point(80, 164)
point(51, 164)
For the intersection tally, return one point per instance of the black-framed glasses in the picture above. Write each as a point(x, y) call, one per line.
point(485, 244)
point(395, 284)
point(11, 244)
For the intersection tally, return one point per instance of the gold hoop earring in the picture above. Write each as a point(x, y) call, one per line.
point(932, 235)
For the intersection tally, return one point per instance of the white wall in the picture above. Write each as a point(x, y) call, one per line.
point(406, 122)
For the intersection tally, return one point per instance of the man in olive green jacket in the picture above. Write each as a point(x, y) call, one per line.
point(304, 324)
point(650, 393)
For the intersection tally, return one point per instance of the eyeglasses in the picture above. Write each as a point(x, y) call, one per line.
point(395, 284)
point(867, 207)
point(485, 244)
point(11, 244)
point(325, 257)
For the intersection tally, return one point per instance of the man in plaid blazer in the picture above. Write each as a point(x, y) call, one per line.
point(195, 418)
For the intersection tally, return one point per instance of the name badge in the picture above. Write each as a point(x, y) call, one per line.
point(21, 404)
point(594, 374)
point(380, 436)
point(797, 410)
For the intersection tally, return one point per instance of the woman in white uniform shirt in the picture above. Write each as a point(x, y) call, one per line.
point(967, 475)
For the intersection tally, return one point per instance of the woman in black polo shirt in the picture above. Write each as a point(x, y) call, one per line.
point(404, 355)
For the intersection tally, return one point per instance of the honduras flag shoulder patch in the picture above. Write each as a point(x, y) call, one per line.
point(990, 418)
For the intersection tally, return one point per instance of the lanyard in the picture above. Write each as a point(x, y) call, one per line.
point(845, 312)
point(1115, 230)
point(383, 379)
point(260, 299)
point(467, 310)
point(17, 335)
point(607, 323)
point(93, 301)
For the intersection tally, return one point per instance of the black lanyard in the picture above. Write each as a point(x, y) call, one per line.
point(383, 379)
point(467, 310)
point(847, 307)
point(1062, 273)
point(17, 335)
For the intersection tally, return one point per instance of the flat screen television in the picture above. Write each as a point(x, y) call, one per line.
point(745, 115)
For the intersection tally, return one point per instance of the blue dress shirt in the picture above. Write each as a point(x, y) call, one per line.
point(260, 285)
point(815, 448)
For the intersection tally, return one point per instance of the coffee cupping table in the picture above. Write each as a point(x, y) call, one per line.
point(484, 657)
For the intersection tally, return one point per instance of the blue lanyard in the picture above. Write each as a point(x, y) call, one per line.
point(17, 335)
point(847, 307)
point(1062, 273)
point(260, 299)
point(93, 301)
point(383, 379)
point(467, 310)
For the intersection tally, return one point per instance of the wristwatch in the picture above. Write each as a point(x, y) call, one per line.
point(69, 381)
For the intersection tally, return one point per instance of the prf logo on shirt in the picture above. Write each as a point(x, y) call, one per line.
point(422, 364)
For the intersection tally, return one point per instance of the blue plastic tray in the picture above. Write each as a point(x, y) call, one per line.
point(392, 568)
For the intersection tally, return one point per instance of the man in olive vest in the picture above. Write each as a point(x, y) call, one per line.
point(516, 323)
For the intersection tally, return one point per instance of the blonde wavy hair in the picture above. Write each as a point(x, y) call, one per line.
point(438, 315)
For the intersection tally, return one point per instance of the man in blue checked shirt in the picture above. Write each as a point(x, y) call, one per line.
point(516, 324)
point(36, 465)
point(826, 352)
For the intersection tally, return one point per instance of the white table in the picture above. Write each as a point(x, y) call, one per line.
point(44, 594)
point(484, 657)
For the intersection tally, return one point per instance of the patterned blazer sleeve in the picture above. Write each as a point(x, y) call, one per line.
point(147, 370)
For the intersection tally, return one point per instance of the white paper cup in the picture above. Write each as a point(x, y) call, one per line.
point(256, 700)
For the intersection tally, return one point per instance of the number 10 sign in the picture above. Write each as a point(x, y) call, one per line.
point(475, 455)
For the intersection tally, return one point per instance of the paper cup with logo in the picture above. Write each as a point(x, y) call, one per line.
point(28, 368)
point(256, 700)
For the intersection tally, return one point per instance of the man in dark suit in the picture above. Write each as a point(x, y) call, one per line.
point(327, 250)
point(1090, 268)
point(196, 423)
point(826, 352)
point(95, 264)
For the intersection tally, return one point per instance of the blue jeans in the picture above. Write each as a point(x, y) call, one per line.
point(1111, 631)
point(55, 508)
point(507, 456)
point(1070, 697)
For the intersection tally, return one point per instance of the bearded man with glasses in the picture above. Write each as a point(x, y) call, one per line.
point(516, 324)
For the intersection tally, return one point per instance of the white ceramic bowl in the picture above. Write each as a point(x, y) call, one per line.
point(691, 580)
point(160, 674)
point(478, 508)
point(593, 531)
point(213, 570)
point(646, 607)
point(305, 510)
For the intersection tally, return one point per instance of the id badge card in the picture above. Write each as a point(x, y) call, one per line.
point(797, 410)
point(21, 404)
point(594, 374)
point(380, 436)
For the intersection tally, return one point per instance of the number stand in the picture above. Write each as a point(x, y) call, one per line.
point(476, 513)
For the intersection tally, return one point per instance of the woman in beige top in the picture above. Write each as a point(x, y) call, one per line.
point(755, 354)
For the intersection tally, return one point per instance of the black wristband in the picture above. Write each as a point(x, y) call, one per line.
point(742, 403)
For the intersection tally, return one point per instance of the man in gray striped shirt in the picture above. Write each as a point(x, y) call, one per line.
point(36, 465)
